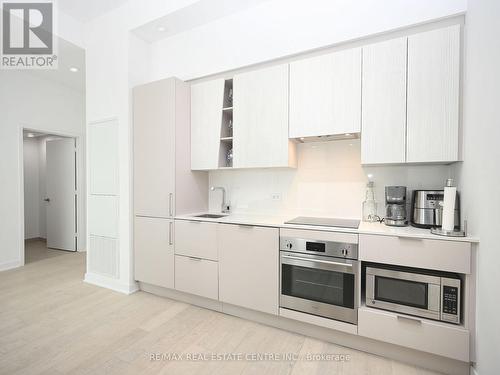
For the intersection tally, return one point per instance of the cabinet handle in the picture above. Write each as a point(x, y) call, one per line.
point(194, 258)
point(170, 199)
point(410, 320)
point(170, 232)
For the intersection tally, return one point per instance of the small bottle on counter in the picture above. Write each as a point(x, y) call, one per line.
point(370, 204)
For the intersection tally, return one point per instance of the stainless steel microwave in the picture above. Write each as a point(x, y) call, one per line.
point(416, 292)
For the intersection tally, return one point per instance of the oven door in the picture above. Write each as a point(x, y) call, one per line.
point(322, 286)
point(403, 292)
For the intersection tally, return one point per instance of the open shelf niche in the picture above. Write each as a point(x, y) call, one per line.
point(226, 132)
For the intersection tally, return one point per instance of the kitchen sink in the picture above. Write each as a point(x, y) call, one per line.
point(211, 216)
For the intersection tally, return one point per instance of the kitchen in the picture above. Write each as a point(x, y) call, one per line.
point(283, 196)
point(268, 186)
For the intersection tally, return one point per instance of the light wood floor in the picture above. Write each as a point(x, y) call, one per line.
point(36, 249)
point(53, 323)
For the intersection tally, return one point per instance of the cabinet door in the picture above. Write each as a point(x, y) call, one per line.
point(433, 95)
point(206, 120)
point(383, 132)
point(325, 94)
point(260, 117)
point(154, 148)
point(248, 267)
point(154, 251)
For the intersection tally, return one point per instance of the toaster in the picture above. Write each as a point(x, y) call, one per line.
point(427, 211)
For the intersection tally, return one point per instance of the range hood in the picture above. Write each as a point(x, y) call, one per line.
point(327, 138)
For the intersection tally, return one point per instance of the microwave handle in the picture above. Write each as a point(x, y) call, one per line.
point(318, 261)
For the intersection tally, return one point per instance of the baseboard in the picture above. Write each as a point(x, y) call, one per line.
point(110, 283)
point(35, 239)
point(10, 265)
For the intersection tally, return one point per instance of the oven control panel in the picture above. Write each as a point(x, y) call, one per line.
point(326, 248)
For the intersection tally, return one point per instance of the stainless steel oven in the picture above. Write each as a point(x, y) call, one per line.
point(428, 294)
point(320, 278)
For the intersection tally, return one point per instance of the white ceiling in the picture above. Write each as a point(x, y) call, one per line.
point(69, 56)
point(85, 10)
point(199, 13)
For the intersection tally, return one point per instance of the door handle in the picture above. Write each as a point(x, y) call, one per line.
point(170, 232)
point(170, 200)
point(47, 200)
point(408, 319)
point(318, 261)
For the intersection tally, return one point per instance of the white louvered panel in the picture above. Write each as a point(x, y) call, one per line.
point(433, 95)
point(103, 157)
point(103, 256)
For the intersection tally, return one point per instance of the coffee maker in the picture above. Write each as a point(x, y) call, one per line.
point(395, 206)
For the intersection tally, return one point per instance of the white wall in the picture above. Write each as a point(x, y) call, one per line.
point(38, 104)
point(479, 173)
point(329, 181)
point(279, 28)
point(31, 188)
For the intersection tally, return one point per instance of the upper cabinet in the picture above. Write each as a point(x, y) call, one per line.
point(164, 184)
point(402, 95)
point(411, 91)
point(383, 138)
point(154, 148)
point(206, 120)
point(433, 96)
point(260, 113)
point(325, 94)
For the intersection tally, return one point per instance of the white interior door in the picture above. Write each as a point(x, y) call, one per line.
point(61, 194)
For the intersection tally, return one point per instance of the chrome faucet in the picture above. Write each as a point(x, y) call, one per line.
point(225, 207)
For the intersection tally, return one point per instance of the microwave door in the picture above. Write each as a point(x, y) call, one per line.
point(403, 292)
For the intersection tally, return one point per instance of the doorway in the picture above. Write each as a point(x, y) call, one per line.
point(51, 195)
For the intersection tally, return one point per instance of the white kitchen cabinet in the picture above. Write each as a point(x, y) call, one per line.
point(433, 96)
point(206, 120)
point(196, 276)
point(154, 251)
point(383, 137)
point(438, 338)
point(260, 113)
point(325, 94)
point(248, 267)
point(163, 181)
point(196, 239)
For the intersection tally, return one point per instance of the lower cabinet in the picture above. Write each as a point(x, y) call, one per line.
point(196, 276)
point(421, 334)
point(154, 251)
point(248, 267)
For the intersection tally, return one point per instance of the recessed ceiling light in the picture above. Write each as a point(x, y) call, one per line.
point(161, 29)
point(73, 69)
point(31, 135)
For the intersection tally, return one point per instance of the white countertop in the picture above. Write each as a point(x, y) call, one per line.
point(364, 228)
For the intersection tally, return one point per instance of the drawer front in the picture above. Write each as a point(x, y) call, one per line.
point(414, 252)
point(196, 239)
point(197, 276)
point(420, 334)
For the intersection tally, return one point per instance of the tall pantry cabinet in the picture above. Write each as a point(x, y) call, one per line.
point(164, 184)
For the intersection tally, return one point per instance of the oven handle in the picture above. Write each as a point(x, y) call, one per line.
point(327, 265)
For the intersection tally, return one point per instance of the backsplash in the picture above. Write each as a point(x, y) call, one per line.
point(329, 181)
